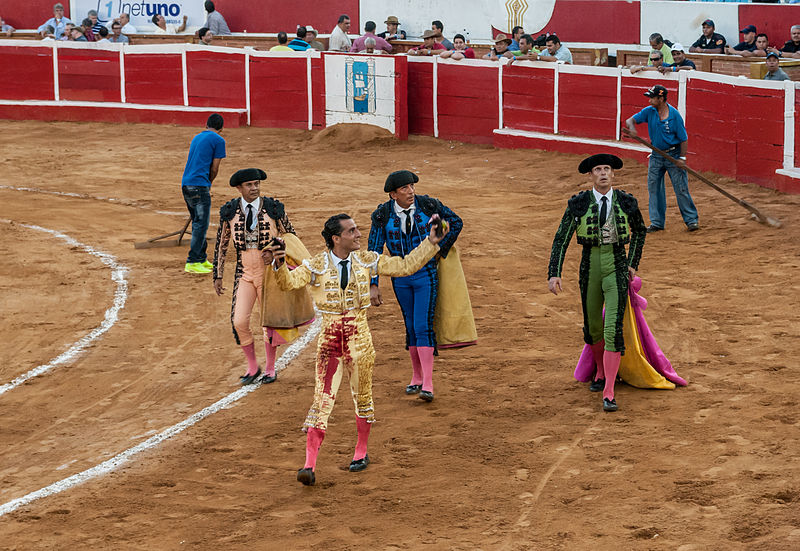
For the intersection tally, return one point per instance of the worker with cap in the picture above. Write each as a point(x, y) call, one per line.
point(667, 133)
point(401, 224)
point(748, 43)
point(679, 61)
point(710, 42)
point(605, 220)
point(252, 222)
point(774, 72)
point(392, 32)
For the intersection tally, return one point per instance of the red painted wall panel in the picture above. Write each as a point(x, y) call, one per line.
point(154, 79)
point(571, 21)
point(467, 103)
point(710, 108)
point(88, 75)
point(758, 134)
point(33, 73)
point(587, 106)
point(528, 98)
point(274, 16)
point(318, 89)
point(278, 92)
point(215, 79)
point(420, 98)
point(29, 14)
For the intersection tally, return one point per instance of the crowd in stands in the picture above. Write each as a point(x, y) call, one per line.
point(664, 56)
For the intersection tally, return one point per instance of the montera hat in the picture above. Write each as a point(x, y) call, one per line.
point(599, 159)
point(247, 175)
point(398, 179)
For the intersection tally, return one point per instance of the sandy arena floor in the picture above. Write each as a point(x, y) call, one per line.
point(513, 453)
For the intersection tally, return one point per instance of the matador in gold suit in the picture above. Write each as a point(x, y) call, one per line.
point(339, 281)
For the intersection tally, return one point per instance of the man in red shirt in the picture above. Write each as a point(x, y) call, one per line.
point(428, 46)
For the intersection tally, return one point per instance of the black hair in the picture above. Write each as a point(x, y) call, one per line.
point(154, 19)
point(103, 32)
point(438, 24)
point(215, 121)
point(333, 226)
point(553, 38)
point(515, 29)
point(86, 23)
point(369, 26)
point(343, 17)
point(209, 6)
point(762, 34)
point(301, 32)
point(657, 37)
point(283, 38)
point(202, 32)
point(461, 36)
point(528, 38)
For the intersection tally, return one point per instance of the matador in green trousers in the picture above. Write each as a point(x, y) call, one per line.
point(605, 220)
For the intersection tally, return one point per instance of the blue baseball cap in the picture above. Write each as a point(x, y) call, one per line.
point(748, 29)
point(709, 22)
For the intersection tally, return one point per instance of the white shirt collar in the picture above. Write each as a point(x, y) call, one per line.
point(256, 204)
point(337, 260)
point(398, 210)
point(599, 196)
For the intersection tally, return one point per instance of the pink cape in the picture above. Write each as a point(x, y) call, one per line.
point(653, 354)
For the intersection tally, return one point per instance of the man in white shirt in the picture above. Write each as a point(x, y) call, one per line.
point(339, 41)
point(162, 27)
point(125, 22)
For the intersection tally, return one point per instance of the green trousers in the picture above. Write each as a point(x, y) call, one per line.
point(604, 281)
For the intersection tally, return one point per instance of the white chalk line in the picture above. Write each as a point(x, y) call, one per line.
point(111, 464)
point(114, 200)
point(118, 273)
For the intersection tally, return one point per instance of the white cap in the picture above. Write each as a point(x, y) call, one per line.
point(677, 48)
point(309, 29)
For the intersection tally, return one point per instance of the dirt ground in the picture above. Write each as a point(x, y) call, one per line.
point(512, 454)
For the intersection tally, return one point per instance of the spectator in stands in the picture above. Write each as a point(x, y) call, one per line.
point(162, 27)
point(657, 43)
point(116, 34)
point(339, 41)
point(5, 28)
point(680, 62)
point(792, 47)
point(102, 35)
point(438, 28)
point(392, 32)
point(761, 49)
point(460, 49)
point(67, 35)
point(283, 39)
point(527, 51)
point(87, 29)
point(369, 47)
point(58, 21)
point(215, 22)
point(298, 43)
point(429, 45)
point(92, 16)
point(125, 22)
point(774, 72)
point(516, 34)
point(710, 42)
point(369, 32)
point(748, 42)
point(47, 33)
point(655, 62)
point(311, 35)
point(500, 48)
point(205, 35)
point(76, 34)
point(556, 51)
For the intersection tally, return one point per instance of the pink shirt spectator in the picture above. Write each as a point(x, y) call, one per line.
point(380, 43)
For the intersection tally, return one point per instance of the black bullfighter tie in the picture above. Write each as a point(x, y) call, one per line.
point(408, 221)
point(604, 211)
point(345, 275)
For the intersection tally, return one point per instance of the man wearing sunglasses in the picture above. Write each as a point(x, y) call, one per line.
point(656, 61)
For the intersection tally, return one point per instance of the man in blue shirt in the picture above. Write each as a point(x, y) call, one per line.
point(299, 44)
point(667, 132)
point(58, 21)
point(205, 153)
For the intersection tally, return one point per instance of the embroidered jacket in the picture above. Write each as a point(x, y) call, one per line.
point(323, 276)
point(272, 221)
point(386, 228)
point(582, 218)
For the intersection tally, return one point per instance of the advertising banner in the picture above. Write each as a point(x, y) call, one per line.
point(141, 12)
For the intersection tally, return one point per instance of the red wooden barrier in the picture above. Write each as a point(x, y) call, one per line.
point(88, 75)
point(467, 103)
point(420, 98)
point(528, 98)
point(32, 70)
point(154, 79)
point(215, 79)
point(279, 92)
point(587, 106)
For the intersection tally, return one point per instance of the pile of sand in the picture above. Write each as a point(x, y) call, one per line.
point(354, 136)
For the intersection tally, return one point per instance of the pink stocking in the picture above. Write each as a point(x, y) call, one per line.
point(250, 354)
point(269, 364)
point(416, 366)
point(426, 360)
point(597, 352)
point(363, 435)
point(611, 367)
point(314, 440)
